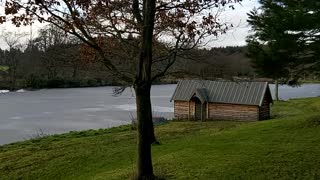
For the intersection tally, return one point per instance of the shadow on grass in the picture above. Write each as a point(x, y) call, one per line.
point(312, 121)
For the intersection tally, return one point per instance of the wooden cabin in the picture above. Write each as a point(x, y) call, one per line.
point(222, 100)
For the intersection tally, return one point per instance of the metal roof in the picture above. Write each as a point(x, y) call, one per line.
point(200, 93)
point(232, 92)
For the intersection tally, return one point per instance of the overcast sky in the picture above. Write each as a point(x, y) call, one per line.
point(234, 37)
point(238, 17)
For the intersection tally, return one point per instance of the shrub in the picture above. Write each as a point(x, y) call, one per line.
point(92, 82)
point(56, 83)
point(35, 82)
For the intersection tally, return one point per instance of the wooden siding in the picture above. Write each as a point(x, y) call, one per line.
point(192, 110)
point(181, 109)
point(219, 111)
point(264, 112)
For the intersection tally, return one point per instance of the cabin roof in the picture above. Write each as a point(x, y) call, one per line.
point(201, 94)
point(231, 92)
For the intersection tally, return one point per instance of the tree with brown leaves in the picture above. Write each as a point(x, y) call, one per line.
point(106, 26)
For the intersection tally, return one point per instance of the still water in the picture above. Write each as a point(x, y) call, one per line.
point(26, 113)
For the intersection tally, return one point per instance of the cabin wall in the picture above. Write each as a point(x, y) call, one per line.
point(218, 111)
point(264, 111)
point(181, 109)
point(184, 108)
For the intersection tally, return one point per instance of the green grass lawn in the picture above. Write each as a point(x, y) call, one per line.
point(286, 147)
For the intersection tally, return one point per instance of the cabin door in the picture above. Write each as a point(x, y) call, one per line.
point(198, 109)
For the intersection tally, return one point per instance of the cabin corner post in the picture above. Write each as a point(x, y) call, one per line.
point(174, 110)
point(188, 110)
point(258, 113)
point(207, 110)
point(201, 109)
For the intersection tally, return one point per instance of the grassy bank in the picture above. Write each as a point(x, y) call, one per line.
point(286, 147)
point(310, 81)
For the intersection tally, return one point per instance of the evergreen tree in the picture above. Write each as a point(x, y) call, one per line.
point(285, 38)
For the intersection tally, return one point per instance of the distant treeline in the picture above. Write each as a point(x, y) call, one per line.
point(63, 65)
point(51, 60)
point(55, 60)
point(215, 63)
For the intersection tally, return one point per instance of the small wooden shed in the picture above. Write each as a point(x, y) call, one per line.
point(222, 100)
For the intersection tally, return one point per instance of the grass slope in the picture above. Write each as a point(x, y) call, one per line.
point(286, 147)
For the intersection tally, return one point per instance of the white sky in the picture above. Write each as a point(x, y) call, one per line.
point(237, 17)
point(234, 37)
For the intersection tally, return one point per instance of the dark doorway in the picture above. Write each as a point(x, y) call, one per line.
point(198, 109)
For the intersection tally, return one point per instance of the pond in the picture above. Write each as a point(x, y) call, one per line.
point(25, 114)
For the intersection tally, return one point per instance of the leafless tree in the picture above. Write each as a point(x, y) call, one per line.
point(11, 56)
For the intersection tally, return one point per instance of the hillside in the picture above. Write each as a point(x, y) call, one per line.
point(286, 147)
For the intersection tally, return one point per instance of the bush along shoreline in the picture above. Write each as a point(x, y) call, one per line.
point(36, 83)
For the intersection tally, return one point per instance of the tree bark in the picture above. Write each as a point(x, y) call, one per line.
point(276, 90)
point(144, 125)
point(142, 86)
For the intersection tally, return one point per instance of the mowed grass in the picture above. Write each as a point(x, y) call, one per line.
point(285, 147)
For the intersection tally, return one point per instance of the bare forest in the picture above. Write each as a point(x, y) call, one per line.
point(55, 59)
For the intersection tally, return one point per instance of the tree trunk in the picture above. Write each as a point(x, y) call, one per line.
point(74, 72)
point(142, 86)
point(13, 82)
point(276, 90)
point(145, 61)
point(144, 125)
point(12, 79)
